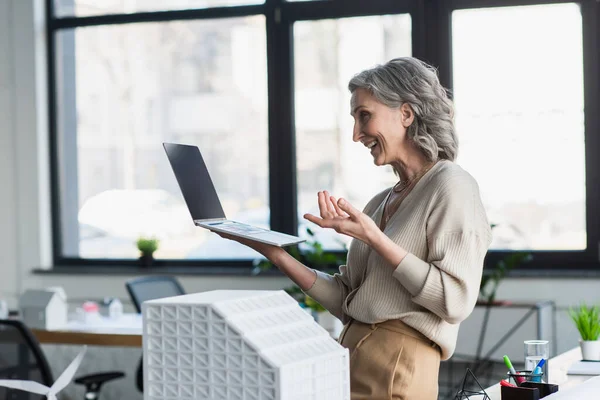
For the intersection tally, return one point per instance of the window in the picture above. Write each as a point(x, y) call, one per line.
point(326, 57)
point(137, 85)
point(522, 131)
point(261, 87)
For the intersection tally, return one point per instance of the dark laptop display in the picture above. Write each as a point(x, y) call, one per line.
point(203, 202)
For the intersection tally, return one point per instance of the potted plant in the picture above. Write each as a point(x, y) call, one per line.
point(147, 247)
point(587, 321)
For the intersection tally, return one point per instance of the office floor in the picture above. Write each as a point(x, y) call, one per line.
point(97, 359)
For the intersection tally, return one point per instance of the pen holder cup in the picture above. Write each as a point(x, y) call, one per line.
point(528, 391)
point(527, 374)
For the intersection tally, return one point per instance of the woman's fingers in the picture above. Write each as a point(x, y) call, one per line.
point(340, 215)
point(348, 208)
point(328, 202)
point(323, 209)
point(323, 223)
point(328, 206)
point(337, 208)
point(314, 219)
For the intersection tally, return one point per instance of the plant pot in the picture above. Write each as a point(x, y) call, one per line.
point(146, 260)
point(330, 323)
point(590, 349)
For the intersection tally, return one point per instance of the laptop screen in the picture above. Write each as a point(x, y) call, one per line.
point(194, 181)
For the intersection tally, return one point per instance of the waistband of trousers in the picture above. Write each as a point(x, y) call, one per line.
point(395, 325)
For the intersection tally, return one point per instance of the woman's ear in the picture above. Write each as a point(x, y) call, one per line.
point(408, 115)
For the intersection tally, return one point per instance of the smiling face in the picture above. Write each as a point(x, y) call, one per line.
point(379, 128)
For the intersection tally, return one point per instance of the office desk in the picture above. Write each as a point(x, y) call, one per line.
point(126, 331)
point(557, 371)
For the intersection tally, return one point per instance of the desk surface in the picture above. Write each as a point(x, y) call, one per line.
point(125, 331)
point(557, 371)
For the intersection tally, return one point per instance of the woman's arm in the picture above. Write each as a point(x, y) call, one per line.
point(328, 290)
point(458, 236)
point(299, 273)
point(447, 283)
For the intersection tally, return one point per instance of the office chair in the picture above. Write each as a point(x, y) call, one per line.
point(21, 357)
point(150, 288)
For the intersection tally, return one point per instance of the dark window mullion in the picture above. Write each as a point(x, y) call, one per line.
point(53, 145)
point(432, 37)
point(282, 143)
point(591, 68)
point(156, 16)
point(303, 11)
point(465, 4)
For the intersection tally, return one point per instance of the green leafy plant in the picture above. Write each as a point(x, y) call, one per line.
point(587, 321)
point(147, 246)
point(313, 304)
point(490, 281)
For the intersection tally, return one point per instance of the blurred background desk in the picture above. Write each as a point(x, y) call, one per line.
point(123, 332)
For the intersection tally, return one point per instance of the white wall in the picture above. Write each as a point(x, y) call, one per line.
point(24, 193)
point(8, 187)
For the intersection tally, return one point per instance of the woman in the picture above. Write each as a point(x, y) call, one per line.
point(415, 264)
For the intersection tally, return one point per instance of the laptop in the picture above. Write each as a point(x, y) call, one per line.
point(203, 202)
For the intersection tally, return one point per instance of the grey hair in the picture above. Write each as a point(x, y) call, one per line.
point(409, 80)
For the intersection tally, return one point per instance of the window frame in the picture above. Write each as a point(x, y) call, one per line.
point(431, 42)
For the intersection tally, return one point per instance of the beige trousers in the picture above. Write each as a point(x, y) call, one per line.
point(391, 360)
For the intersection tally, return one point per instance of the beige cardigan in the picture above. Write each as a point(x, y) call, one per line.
point(443, 225)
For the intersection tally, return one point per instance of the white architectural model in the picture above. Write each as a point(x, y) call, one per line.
point(239, 345)
point(44, 309)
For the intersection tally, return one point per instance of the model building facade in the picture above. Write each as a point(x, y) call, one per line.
point(239, 345)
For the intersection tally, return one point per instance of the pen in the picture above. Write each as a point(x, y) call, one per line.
point(538, 370)
point(506, 383)
point(510, 367)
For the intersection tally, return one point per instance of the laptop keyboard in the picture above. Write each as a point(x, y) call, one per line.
point(237, 227)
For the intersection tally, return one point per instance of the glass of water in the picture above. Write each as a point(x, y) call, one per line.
point(535, 350)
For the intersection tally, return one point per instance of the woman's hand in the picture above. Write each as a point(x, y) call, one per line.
point(344, 218)
point(266, 250)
